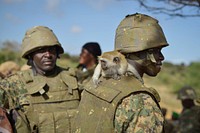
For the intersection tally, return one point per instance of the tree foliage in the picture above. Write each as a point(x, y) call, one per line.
point(10, 46)
point(176, 76)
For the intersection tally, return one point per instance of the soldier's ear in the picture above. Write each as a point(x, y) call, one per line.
point(116, 60)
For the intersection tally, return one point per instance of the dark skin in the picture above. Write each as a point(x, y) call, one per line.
point(44, 60)
point(87, 59)
point(187, 103)
point(146, 66)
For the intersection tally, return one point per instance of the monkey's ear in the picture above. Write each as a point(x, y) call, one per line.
point(116, 60)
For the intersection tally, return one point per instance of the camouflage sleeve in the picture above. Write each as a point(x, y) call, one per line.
point(138, 113)
point(3, 96)
point(8, 91)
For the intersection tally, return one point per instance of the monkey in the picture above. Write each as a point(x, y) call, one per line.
point(113, 64)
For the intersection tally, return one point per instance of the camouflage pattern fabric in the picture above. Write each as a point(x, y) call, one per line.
point(138, 114)
point(170, 126)
point(47, 104)
point(10, 88)
point(189, 121)
point(116, 104)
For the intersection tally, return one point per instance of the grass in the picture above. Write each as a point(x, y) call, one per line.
point(176, 76)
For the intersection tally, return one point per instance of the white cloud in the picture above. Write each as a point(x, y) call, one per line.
point(13, 1)
point(99, 4)
point(11, 18)
point(76, 29)
point(54, 7)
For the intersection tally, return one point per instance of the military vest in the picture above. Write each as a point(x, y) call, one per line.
point(49, 103)
point(189, 120)
point(98, 105)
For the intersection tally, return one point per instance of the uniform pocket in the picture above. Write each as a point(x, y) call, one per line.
point(56, 122)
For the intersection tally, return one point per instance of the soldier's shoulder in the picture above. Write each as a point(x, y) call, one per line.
point(68, 70)
point(140, 101)
point(143, 99)
point(196, 109)
point(12, 82)
point(142, 107)
point(12, 77)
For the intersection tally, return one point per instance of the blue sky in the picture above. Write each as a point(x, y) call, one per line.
point(76, 22)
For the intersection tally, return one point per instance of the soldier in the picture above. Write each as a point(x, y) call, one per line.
point(127, 105)
point(87, 62)
point(170, 125)
point(42, 99)
point(189, 120)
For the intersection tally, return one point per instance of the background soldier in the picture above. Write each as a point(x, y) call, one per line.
point(87, 62)
point(44, 98)
point(170, 125)
point(126, 105)
point(189, 120)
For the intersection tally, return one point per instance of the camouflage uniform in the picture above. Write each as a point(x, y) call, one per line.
point(40, 103)
point(171, 125)
point(53, 108)
point(189, 120)
point(124, 105)
point(129, 98)
point(138, 113)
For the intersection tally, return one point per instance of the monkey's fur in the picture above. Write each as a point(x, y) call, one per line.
point(113, 64)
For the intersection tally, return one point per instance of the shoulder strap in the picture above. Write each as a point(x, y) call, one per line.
point(69, 80)
point(26, 76)
point(110, 88)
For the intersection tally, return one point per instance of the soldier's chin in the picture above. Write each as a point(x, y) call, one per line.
point(48, 68)
point(153, 72)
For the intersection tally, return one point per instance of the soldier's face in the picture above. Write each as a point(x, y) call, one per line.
point(187, 103)
point(153, 68)
point(45, 59)
point(85, 57)
point(146, 65)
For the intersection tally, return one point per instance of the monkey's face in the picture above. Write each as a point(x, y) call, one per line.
point(103, 64)
point(109, 63)
point(110, 60)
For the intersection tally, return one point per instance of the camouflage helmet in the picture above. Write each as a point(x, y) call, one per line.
point(37, 37)
point(187, 92)
point(138, 32)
